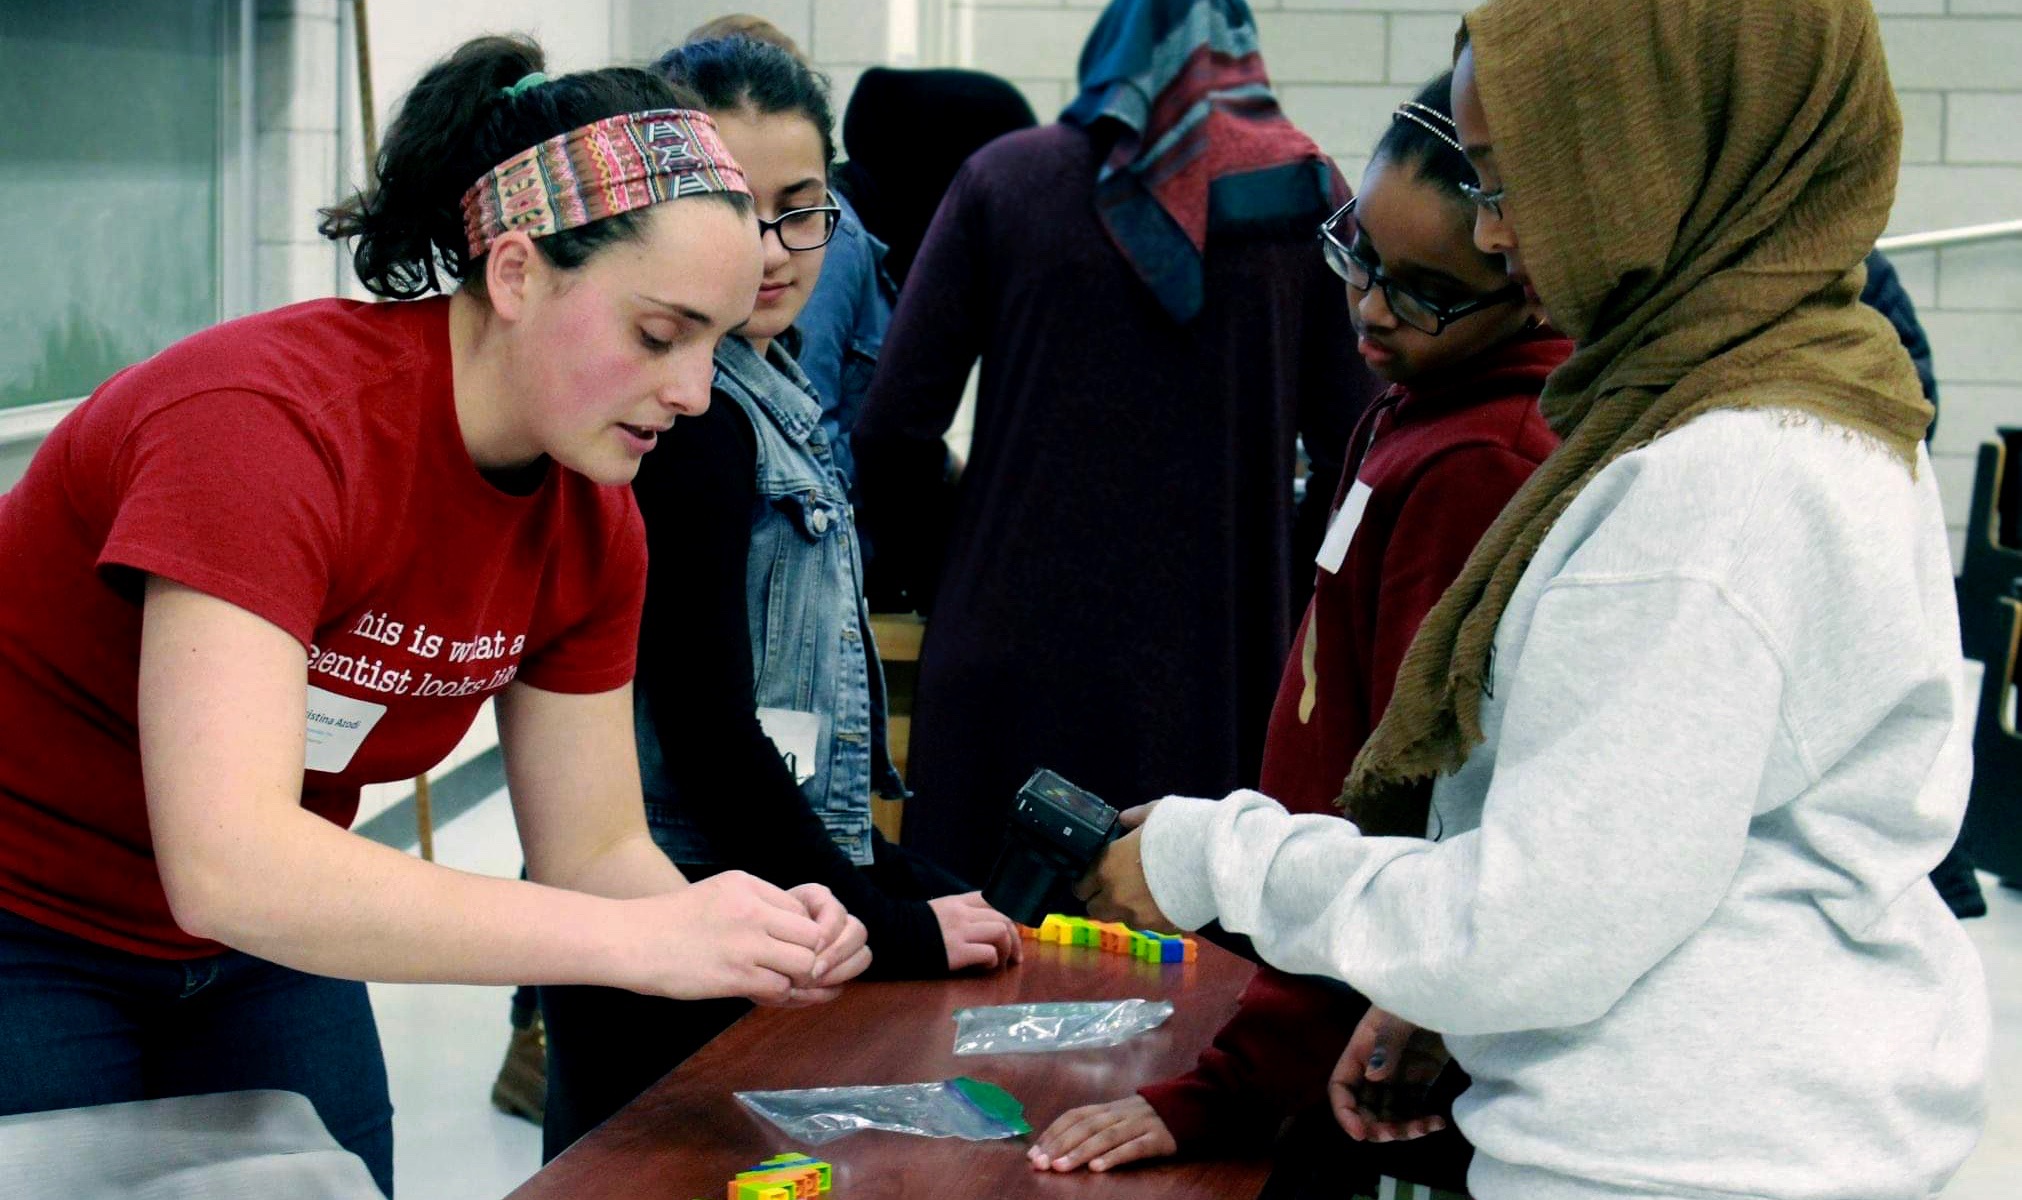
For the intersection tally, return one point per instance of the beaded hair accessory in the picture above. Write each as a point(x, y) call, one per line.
point(605, 168)
point(1430, 120)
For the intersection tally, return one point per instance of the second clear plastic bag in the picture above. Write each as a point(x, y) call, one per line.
point(1063, 1025)
point(959, 1108)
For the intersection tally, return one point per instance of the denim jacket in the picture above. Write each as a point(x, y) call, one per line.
point(811, 646)
point(842, 328)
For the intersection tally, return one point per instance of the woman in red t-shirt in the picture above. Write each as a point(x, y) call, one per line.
point(294, 554)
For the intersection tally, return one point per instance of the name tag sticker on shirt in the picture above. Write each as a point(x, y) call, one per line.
point(337, 727)
point(1346, 521)
point(795, 735)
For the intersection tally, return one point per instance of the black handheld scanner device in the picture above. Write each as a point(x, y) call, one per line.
point(1056, 833)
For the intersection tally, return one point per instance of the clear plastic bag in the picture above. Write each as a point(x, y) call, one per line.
point(959, 1108)
point(1064, 1025)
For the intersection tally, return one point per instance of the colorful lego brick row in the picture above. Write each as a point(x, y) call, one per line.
point(1080, 931)
point(1162, 947)
point(782, 1177)
point(1114, 938)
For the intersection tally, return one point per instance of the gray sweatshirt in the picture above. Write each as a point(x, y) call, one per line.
point(1675, 921)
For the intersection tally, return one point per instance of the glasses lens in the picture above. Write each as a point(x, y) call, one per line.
point(1411, 310)
point(806, 228)
point(1492, 201)
point(1339, 262)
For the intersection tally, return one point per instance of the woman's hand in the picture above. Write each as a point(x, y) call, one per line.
point(974, 934)
point(844, 952)
point(1379, 1087)
point(729, 935)
point(1116, 890)
point(1101, 1136)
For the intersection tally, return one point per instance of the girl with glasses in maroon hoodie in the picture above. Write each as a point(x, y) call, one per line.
point(1429, 466)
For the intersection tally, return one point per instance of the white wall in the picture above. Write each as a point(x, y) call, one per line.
point(407, 38)
point(300, 85)
point(842, 37)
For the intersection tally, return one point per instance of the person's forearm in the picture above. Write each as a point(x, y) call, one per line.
point(1608, 835)
point(303, 893)
point(626, 870)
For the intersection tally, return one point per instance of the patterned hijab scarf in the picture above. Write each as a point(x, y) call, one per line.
point(1695, 184)
point(1200, 139)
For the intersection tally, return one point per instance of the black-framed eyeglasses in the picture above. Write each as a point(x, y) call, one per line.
point(1426, 316)
point(1492, 201)
point(803, 228)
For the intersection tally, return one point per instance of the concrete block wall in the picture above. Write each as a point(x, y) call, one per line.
point(299, 89)
point(841, 37)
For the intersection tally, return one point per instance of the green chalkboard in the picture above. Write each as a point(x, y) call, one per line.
point(111, 151)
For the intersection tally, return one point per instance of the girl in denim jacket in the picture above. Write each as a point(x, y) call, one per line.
point(760, 700)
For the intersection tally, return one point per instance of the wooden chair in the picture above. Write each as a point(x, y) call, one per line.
point(899, 636)
point(424, 818)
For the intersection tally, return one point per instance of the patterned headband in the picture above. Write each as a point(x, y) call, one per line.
point(605, 168)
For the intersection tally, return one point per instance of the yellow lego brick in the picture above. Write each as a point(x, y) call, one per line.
point(803, 1182)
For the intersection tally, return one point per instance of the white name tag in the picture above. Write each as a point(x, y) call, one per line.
point(1342, 531)
point(794, 735)
point(337, 727)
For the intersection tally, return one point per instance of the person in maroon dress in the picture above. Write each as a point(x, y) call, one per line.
point(1111, 584)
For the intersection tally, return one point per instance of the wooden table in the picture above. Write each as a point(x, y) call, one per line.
point(686, 1136)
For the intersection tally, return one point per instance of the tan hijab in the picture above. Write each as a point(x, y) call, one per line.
point(1694, 184)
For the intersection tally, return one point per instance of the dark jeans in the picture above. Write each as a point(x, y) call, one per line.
point(607, 1045)
point(81, 1024)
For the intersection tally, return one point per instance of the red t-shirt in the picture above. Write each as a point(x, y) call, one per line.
point(306, 465)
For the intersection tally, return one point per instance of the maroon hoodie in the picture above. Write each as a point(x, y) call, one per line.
point(1438, 464)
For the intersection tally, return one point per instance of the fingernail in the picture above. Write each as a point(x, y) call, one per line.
point(820, 968)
